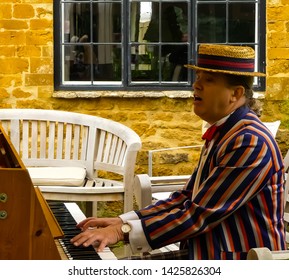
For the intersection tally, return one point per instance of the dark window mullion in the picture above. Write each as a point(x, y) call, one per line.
point(126, 50)
point(58, 55)
point(160, 43)
point(227, 21)
point(91, 43)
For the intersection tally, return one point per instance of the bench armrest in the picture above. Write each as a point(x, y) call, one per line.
point(146, 187)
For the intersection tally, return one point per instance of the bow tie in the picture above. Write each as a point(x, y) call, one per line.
point(210, 133)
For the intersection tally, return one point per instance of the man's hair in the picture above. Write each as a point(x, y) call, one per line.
point(247, 83)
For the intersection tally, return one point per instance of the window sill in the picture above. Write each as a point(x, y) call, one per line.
point(132, 94)
point(123, 94)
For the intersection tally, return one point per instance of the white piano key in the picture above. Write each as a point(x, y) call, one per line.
point(107, 254)
point(75, 211)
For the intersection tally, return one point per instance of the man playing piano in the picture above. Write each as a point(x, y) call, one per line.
point(234, 199)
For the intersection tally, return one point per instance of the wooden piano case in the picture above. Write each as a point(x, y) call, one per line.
point(28, 228)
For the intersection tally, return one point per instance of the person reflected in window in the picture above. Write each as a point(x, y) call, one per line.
point(174, 29)
point(93, 51)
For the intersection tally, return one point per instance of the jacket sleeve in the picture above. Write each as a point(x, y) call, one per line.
point(238, 170)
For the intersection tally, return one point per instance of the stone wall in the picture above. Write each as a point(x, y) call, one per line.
point(162, 119)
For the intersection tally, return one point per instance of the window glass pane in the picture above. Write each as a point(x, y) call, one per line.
point(143, 67)
point(91, 31)
point(211, 23)
point(159, 38)
point(77, 20)
point(78, 65)
point(106, 22)
point(242, 22)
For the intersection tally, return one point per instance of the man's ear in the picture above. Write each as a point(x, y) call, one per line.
point(238, 92)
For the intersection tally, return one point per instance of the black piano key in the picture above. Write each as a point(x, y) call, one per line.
point(68, 226)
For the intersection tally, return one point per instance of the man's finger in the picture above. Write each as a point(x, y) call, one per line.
point(102, 245)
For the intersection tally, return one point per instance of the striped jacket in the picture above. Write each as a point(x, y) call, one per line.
point(239, 202)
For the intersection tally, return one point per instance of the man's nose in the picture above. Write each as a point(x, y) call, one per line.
point(196, 85)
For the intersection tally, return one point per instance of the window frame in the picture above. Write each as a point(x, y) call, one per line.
point(259, 85)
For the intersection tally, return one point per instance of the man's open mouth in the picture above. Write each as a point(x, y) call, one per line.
point(197, 98)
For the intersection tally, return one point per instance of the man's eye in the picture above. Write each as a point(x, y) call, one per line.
point(209, 79)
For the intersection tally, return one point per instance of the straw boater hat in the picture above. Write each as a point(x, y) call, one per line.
point(236, 60)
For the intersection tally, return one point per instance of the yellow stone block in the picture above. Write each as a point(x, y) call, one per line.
point(38, 79)
point(41, 24)
point(39, 37)
point(7, 51)
point(41, 65)
point(12, 37)
point(13, 24)
point(5, 11)
point(13, 65)
point(23, 11)
point(4, 93)
point(19, 93)
point(29, 51)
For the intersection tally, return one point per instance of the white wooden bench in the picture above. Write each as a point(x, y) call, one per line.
point(148, 188)
point(68, 155)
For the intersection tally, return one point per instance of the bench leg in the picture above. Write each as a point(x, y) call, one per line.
point(88, 208)
point(94, 209)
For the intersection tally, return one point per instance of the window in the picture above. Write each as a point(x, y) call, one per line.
point(139, 45)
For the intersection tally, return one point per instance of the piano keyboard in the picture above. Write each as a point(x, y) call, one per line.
point(68, 215)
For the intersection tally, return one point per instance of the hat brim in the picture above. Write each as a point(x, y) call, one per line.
point(225, 71)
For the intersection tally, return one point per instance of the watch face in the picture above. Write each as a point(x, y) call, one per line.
point(125, 228)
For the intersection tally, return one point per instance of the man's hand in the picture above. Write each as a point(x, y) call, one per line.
point(101, 231)
point(98, 222)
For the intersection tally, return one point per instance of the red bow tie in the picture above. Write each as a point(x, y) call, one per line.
point(210, 133)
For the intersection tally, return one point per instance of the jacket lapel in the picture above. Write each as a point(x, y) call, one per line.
point(227, 126)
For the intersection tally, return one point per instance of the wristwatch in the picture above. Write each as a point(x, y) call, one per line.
point(126, 228)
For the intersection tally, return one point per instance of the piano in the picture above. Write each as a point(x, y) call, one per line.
point(29, 228)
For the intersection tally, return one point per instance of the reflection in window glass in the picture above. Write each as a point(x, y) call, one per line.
point(241, 23)
point(220, 22)
point(92, 41)
point(211, 23)
point(159, 41)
